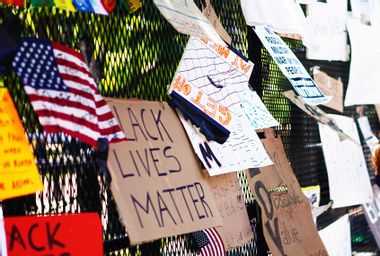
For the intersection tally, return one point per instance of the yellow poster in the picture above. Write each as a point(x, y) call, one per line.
point(18, 171)
point(65, 5)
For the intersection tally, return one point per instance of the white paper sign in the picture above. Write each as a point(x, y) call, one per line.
point(291, 67)
point(349, 181)
point(372, 214)
point(327, 22)
point(3, 242)
point(363, 86)
point(186, 18)
point(313, 193)
point(337, 237)
point(370, 139)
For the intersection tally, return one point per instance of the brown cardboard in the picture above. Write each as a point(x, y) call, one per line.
point(156, 181)
point(330, 87)
point(377, 107)
point(236, 229)
point(210, 14)
point(286, 216)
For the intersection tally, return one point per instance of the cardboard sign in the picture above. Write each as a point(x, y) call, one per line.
point(291, 67)
point(210, 14)
point(236, 229)
point(337, 237)
point(372, 214)
point(186, 18)
point(156, 181)
point(349, 181)
point(59, 235)
point(18, 171)
point(330, 87)
point(377, 107)
point(286, 215)
point(370, 139)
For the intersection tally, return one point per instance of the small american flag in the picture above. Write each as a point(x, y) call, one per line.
point(63, 93)
point(209, 242)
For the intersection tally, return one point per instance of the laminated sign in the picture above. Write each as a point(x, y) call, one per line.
point(156, 181)
point(291, 67)
point(286, 215)
point(57, 235)
point(18, 171)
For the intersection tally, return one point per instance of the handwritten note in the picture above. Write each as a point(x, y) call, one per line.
point(372, 214)
point(57, 235)
point(291, 67)
point(18, 171)
point(349, 182)
point(156, 180)
point(186, 18)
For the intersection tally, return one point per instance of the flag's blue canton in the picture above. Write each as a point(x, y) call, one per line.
point(36, 66)
point(201, 238)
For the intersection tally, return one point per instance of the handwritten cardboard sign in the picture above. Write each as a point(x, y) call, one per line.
point(286, 215)
point(330, 87)
point(210, 14)
point(59, 235)
point(290, 66)
point(236, 229)
point(18, 171)
point(372, 214)
point(156, 181)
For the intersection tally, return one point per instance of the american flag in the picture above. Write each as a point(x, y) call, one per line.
point(63, 93)
point(209, 242)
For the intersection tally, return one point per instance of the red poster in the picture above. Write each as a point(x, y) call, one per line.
point(58, 235)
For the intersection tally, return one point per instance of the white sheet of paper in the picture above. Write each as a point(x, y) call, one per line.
point(327, 22)
point(313, 193)
point(364, 76)
point(349, 181)
point(3, 241)
point(186, 18)
point(291, 67)
point(372, 214)
point(337, 237)
point(365, 128)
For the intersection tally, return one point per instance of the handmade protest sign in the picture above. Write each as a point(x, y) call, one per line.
point(286, 215)
point(330, 87)
point(290, 66)
point(18, 171)
point(236, 229)
point(337, 237)
point(210, 14)
point(372, 214)
point(349, 182)
point(313, 194)
point(57, 235)
point(370, 139)
point(186, 18)
point(156, 181)
point(212, 81)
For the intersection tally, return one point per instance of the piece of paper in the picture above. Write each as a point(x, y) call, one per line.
point(313, 194)
point(349, 181)
point(377, 107)
point(18, 171)
point(210, 14)
point(214, 80)
point(372, 214)
point(330, 87)
point(286, 215)
point(68, 234)
point(291, 67)
point(3, 241)
point(156, 180)
point(316, 211)
point(370, 139)
point(236, 229)
point(365, 66)
point(186, 18)
point(327, 22)
point(337, 237)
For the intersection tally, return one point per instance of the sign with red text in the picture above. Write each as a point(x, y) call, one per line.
point(236, 229)
point(286, 216)
point(156, 180)
point(57, 235)
point(18, 171)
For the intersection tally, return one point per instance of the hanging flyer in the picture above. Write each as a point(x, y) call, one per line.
point(291, 67)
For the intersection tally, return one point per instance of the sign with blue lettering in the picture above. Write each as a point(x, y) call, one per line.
point(157, 182)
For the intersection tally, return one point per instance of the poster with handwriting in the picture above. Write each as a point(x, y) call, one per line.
point(372, 214)
point(349, 182)
point(213, 80)
point(286, 216)
point(18, 171)
point(236, 229)
point(211, 15)
point(337, 237)
point(186, 18)
point(56, 235)
point(313, 194)
point(291, 67)
point(157, 182)
point(330, 87)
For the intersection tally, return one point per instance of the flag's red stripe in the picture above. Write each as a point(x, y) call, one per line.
point(80, 81)
point(215, 242)
point(80, 136)
point(73, 65)
point(68, 50)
